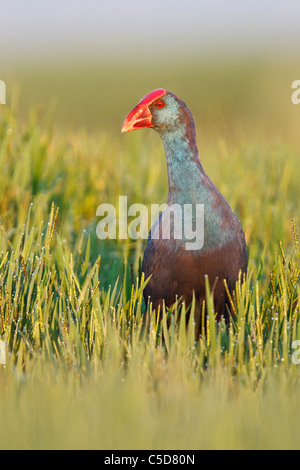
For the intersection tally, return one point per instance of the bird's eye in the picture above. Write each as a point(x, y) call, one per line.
point(160, 104)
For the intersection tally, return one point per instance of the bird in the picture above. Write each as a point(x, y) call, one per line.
point(177, 268)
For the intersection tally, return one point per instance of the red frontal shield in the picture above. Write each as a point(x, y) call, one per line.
point(141, 116)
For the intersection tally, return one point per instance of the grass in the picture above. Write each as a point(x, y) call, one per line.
point(81, 370)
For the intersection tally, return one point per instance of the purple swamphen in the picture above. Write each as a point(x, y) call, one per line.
point(177, 266)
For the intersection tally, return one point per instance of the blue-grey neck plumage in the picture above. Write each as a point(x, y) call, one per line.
point(185, 172)
point(176, 128)
point(188, 182)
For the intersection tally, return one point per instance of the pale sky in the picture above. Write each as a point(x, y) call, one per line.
point(156, 27)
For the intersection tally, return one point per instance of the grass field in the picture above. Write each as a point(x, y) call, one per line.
point(80, 370)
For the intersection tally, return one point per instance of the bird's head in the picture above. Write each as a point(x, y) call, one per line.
point(160, 109)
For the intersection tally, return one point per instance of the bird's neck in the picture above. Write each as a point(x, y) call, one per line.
point(189, 184)
point(185, 171)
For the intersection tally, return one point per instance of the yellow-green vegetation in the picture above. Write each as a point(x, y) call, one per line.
point(81, 370)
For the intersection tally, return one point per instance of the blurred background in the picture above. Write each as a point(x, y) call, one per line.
point(94, 59)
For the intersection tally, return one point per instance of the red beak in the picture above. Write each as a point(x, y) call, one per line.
point(141, 116)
